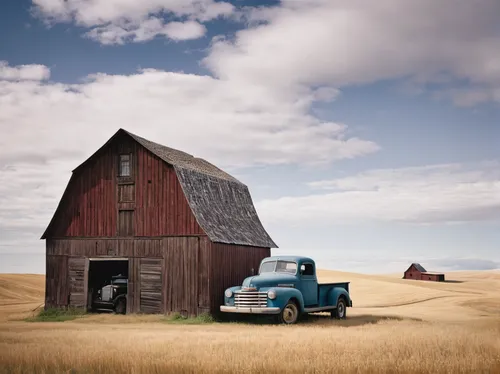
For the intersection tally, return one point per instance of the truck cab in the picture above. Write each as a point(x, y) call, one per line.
point(287, 287)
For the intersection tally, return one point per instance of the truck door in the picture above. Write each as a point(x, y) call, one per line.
point(308, 284)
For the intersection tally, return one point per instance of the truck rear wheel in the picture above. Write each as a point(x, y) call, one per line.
point(340, 311)
point(290, 314)
point(121, 306)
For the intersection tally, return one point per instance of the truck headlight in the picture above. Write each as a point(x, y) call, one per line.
point(228, 293)
point(272, 294)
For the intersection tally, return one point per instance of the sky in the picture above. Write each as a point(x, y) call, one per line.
point(367, 132)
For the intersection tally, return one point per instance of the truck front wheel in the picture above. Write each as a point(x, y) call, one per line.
point(121, 306)
point(340, 311)
point(290, 314)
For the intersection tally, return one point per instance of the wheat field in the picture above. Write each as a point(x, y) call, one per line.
point(396, 325)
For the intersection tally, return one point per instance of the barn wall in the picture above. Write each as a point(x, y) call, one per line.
point(56, 281)
point(413, 273)
point(230, 265)
point(151, 281)
point(165, 274)
point(98, 203)
point(161, 207)
point(433, 277)
point(89, 205)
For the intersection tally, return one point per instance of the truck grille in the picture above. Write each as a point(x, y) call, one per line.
point(250, 299)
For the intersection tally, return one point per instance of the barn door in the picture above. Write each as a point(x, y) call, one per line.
point(150, 277)
point(78, 270)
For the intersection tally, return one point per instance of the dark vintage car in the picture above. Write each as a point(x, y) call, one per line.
point(112, 296)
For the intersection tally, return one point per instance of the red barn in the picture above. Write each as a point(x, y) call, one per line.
point(418, 272)
point(179, 228)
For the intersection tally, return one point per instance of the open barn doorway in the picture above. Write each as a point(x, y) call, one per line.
point(108, 285)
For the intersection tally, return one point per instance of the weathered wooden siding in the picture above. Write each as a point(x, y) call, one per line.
point(133, 304)
point(203, 271)
point(151, 275)
point(181, 274)
point(99, 203)
point(126, 223)
point(165, 274)
point(161, 207)
point(229, 265)
point(146, 218)
point(56, 281)
point(89, 205)
point(77, 271)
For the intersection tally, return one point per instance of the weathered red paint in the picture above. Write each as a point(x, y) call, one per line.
point(92, 200)
point(414, 273)
point(164, 234)
point(161, 207)
point(89, 203)
point(230, 264)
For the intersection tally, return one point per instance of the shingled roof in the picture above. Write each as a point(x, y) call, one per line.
point(419, 267)
point(221, 204)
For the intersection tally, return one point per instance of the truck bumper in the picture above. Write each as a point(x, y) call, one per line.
point(233, 309)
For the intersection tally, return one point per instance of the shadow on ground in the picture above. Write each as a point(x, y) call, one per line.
point(316, 320)
point(452, 281)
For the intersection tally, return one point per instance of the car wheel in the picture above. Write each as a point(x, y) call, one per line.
point(121, 306)
point(340, 311)
point(290, 314)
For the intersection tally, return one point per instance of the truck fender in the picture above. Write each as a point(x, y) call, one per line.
point(118, 298)
point(283, 294)
point(335, 293)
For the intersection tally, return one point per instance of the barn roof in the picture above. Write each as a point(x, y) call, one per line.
point(182, 160)
point(417, 266)
point(221, 204)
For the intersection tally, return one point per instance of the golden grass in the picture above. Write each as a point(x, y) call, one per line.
point(402, 328)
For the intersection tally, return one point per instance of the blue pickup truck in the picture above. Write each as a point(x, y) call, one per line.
point(287, 287)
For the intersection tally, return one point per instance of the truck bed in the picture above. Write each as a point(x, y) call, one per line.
point(324, 288)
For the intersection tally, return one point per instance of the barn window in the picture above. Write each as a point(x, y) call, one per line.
point(124, 165)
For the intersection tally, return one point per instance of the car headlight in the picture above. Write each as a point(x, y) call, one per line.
point(228, 293)
point(272, 294)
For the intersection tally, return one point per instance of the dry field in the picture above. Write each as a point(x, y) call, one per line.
point(396, 326)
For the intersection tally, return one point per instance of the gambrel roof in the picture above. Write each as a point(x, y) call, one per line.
point(221, 204)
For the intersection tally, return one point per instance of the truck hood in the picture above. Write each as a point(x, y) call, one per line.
point(269, 280)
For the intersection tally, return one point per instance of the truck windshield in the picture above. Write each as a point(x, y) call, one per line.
point(279, 267)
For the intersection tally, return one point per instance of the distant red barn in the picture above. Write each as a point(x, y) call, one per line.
point(418, 272)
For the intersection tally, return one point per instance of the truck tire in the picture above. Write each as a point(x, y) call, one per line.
point(121, 306)
point(290, 314)
point(340, 311)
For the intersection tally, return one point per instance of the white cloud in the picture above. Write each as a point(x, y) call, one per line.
point(330, 43)
point(23, 72)
point(184, 30)
point(53, 127)
point(146, 30)
point(450, 193)
point(118, 21)
point(341, 43)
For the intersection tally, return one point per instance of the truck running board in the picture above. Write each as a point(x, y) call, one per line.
point(319, 309)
